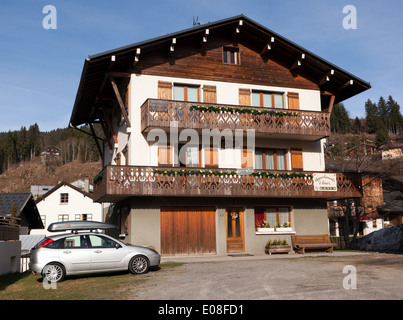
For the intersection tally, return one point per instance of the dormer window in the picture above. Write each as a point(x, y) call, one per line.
point(230, 55)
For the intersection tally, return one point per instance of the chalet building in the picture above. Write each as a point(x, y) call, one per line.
point(214, 137)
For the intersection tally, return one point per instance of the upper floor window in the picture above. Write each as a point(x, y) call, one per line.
point(185, 92)
point(267, 99)
point(270, 159)
point(64, 198)
point(230, 55)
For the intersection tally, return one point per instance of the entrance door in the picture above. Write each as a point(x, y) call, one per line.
point(235, 234)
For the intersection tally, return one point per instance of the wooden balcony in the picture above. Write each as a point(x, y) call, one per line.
point(284, 123)
point(116, 183)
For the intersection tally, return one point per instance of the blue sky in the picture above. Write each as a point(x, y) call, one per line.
point(40, 69)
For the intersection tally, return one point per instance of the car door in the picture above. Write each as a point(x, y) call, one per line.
point(75, 253)
point(106, 254)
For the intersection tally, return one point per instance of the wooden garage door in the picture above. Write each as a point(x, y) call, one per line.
point(188, 230)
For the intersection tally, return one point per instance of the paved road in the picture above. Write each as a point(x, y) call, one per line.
point(311, 276)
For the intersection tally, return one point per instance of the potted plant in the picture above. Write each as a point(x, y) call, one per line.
point(264, 226)
point(277, 246)
point(286, 227)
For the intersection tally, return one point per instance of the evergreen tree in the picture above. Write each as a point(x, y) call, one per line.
point(395, 117)
point(381, 136)
point(371, 116)
point(339, 119)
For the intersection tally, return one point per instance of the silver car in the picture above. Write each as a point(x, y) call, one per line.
point(75, 253)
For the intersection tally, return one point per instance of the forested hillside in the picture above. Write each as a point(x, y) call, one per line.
point(26, 144)
point(382, 119)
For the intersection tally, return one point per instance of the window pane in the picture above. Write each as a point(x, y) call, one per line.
point(269, 160)
point(233, 57)
point(258, 160)
point(280, 160)
point(278, 100)
point(284, 216)
point(267, 100)
point(179, 93)
point(192, 94)
point(193, 157)
point(225, 56)
point(255, 99)
point(271, 216)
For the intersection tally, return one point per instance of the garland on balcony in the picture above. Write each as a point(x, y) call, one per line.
point(284, 175)
point(243, 110)
point(98, 177)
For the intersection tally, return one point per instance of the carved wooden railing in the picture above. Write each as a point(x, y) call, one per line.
point(118, 182)
point(308, 124)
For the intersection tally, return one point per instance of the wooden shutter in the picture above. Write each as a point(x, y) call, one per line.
point(296, 160)
point(244, 97)
point(209, 94)
point(247, 158)
point(165, 90)
point(164, 156)
point(293, 100)
point(211, 157)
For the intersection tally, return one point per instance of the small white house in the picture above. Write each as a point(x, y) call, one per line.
point(66, 202)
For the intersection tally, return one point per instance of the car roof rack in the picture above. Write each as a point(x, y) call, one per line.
point(77, 225)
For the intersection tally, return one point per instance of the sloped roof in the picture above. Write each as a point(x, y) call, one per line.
point(96, 66)
point(61, 184)
point(24, 206)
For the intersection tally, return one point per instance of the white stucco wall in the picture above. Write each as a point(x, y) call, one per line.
point(143, 87)
point(78, 203)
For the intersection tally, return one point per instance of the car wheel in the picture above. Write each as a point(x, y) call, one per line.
point(139, 265)
point(54, 272)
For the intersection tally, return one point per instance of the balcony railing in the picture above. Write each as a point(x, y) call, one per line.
point(116, 183)
point(308, 125)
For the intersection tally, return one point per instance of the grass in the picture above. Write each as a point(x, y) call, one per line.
point(112, 286)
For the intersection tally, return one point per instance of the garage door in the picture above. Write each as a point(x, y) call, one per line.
point(188, 230)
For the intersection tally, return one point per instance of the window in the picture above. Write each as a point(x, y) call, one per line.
point(101, 242)
point(279, 217)
point(270, 159)
point(63, 217)
point(64, 198)
point(189, 156)
point(230, 55)
point(184, 92)
point(84, 216)
point(267, 99)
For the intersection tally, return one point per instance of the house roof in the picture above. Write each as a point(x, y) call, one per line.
point(96, 66)
point(61, 184)
point(24, 206)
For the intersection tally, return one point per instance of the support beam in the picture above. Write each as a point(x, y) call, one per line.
point(96, 140)
point(120, 101)
point(297, 62)
point(344, 85)
point(268, 46)
point(326, 77)
point(172, 46)
point(109, 125)
point(136, 57)
point(331, 103)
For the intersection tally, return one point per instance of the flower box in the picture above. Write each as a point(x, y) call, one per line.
point(284, 229)
point(278, 249)
point(265, 229)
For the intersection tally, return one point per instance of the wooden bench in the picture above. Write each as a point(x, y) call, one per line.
point(320, 241)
